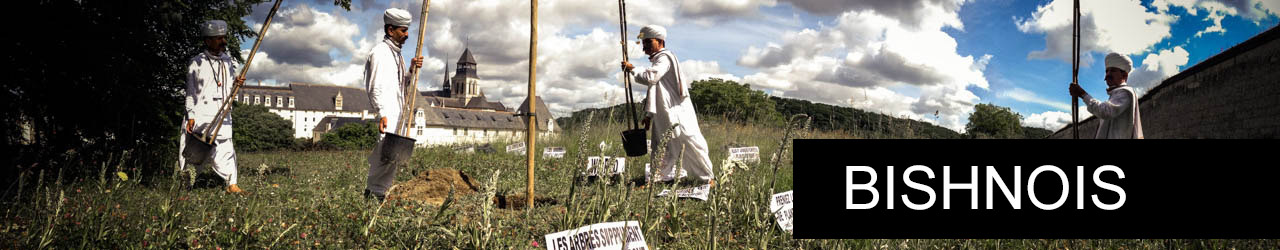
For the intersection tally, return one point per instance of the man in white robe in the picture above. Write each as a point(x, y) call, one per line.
point(385, 77)
point(1119, 117)
point(670, 108)
point(209, 84)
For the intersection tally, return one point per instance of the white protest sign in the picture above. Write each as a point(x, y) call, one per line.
point(608, 235)
point(699, 192)
point(745, 154)
point(780, 204)
point(553, 152)
point(597, 166)
point(516, 148)
point(779, 200)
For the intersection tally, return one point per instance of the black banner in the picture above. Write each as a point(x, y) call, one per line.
point(1113, 189)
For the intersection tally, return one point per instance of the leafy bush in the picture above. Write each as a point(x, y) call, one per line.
point(735, 102)
point(351, 136)
point(991, 121)
point(257, 129)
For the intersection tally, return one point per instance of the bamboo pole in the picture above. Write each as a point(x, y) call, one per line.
point(411, 90)
point(226, 100)
point(626, 80)
point(533, 103)
point(1075, 70)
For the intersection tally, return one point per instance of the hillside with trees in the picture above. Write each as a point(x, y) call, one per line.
point(718, 100)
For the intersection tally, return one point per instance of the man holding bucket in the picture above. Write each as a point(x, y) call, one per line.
point(209, 82)
point(384, 76)
point(669, 104)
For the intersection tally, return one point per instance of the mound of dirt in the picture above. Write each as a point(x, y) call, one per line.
point(433, 186)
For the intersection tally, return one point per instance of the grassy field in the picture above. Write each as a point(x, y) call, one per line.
point(313, 200)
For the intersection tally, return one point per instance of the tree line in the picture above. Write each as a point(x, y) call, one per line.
point(726, 100)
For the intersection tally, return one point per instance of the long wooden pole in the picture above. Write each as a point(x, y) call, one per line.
point(226, 100)
point(1075, 70)
point(626, 79)
point(407, 114)
point(533, 103)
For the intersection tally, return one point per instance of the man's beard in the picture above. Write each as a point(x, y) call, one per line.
point(217, 50)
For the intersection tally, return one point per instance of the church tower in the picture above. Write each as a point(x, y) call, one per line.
point(464, 79)
point(446, 84)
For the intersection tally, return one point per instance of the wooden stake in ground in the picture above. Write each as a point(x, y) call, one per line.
point(212, 131)
point(406, 113)
point(533, 119)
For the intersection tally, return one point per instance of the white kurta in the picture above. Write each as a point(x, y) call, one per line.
point(210, 80)
point(1119, 117)
point(669, 104)
point(384, 76)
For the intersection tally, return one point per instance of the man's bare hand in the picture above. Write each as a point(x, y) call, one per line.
point(646, 121)
point(626, 66)
point(240, 80)
point(1077, 91)
point(382, 125)
point(191, 123)
point(417, 62)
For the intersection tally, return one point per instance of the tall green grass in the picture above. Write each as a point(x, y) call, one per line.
point(313, 200)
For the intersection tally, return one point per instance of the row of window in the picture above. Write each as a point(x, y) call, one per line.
point(466, 131)
point(259, 100)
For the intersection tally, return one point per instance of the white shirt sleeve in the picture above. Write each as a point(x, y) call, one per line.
point(653, 74)
point(1111, 108)
point(192, 90)
point(650, 104)
point(382, 81)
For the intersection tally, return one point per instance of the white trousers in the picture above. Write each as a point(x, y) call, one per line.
point(224, 158)
point(696, 158)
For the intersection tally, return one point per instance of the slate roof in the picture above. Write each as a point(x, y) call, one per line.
point(317, 97)
point(464, 118)
point(543, 114)
point(466, 57)
point(324, 125)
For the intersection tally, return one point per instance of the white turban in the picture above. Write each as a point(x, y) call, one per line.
point(653, 31)
point(397, 17)
point(213, 28)
point(1122, 62)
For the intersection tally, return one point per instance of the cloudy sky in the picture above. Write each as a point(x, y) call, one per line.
point(929, 60)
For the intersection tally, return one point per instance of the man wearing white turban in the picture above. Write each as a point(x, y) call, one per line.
point(670, 108)
point(385, 77)
point(209, 82)
point(1119, 117)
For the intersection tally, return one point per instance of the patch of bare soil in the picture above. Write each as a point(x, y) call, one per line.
point(433, 186)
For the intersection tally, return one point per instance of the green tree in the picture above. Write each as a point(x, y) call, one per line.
point(737, 102)
point(355, 135)
point(257, 129)
point(991, 121)
point(112, 83)
point(1035, 133)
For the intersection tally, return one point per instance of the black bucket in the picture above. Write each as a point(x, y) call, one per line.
point(396, 149)
point(196, 151)
point(634, 142)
